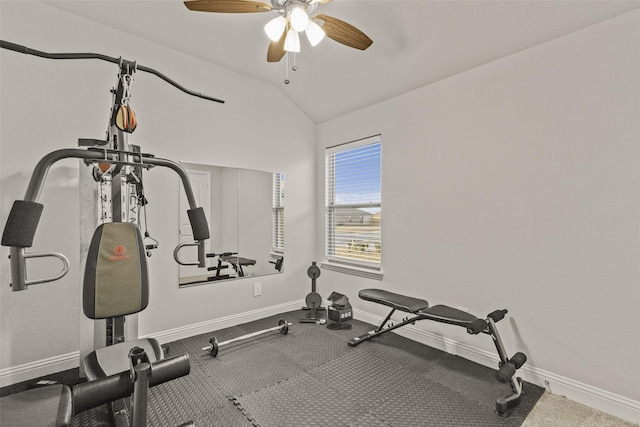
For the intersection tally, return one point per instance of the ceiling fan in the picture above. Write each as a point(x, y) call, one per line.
point(294, 17)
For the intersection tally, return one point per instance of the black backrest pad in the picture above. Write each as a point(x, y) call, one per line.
point(116, 281)
point(21, 224)
point(199, 224)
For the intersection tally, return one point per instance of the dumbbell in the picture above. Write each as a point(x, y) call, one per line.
point(214, 345)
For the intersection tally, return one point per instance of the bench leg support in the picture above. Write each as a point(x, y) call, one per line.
point(382, 329)
point(506, 372)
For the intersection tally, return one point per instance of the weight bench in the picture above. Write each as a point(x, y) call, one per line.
point(420, 310)
point(237, 262)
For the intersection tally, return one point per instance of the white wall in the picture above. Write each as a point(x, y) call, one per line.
point(516, 185)
point(519, 178)
point(47, 105)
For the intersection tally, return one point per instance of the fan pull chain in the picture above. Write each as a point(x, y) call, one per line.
point(286, 69)
point(294, 68)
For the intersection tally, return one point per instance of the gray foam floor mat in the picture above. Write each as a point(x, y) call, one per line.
point(312, 377)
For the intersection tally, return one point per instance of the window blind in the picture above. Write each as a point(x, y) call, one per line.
point(353, 205)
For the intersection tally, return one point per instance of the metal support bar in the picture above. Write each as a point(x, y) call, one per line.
point(36, 183)
point(504, 403)
point(141, 372)
point(381, 330)
point(384, 322)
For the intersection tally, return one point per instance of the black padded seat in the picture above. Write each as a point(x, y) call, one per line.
point(48, 406)
point(114, 359)
point(395, 301)
point(445, 314)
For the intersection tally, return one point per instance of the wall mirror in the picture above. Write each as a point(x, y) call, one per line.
point(245, 211)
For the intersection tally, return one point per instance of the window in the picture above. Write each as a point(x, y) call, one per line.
point(353, 209)
point(278, 212)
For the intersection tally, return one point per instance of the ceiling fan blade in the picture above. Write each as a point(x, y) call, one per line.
point(227, 6)
point(276, 49)
point(344, 33)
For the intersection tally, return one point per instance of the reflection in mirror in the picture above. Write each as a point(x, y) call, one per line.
point(245, 210)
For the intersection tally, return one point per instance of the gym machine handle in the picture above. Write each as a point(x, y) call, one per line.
point(201, 262)
point(119, 386)
point(23, 49)
point(18, 263)
point(25, 214)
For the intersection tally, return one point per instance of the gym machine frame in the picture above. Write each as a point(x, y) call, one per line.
point(29, 203)
point(129, 162)
point(25, 214)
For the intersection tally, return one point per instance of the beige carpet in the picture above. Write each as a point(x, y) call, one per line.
point(558, 411)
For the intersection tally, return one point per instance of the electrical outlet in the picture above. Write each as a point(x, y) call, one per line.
point(257, 289)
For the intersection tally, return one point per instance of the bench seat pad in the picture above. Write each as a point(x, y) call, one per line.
point(393, 300)
point(446, 314)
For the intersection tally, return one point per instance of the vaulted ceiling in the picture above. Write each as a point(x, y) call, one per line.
point(415, 42)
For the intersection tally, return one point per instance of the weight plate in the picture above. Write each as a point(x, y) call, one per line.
point(313, 300)
point(214, 347)
point(284, 326)
point(313, 272)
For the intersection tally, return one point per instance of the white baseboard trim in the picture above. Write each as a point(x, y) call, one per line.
point(39, 368)
point(223, 322)
point(602, 400)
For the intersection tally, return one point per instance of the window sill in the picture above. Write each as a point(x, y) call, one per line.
point(353, 270)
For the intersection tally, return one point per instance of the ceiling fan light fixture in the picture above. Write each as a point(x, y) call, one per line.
point(292, 42)
point(299, 19)
point(275, 28)
point(314, 33)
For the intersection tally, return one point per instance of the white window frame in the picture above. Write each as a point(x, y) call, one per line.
point(359, 267)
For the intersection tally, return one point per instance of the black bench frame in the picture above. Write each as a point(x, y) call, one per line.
point(444, 314)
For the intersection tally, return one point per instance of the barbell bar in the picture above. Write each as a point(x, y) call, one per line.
point(214, 345)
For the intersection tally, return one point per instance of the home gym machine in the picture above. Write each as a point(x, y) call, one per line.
point(214, 345)
point(109, 292)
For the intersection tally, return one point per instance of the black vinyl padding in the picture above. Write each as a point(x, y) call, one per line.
point(21, 224)
point(439, 313)
point(108, 389)
point(199, 224)
point(393, 300)
point(65, 407)
point(450, 315)
point(114, 359)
